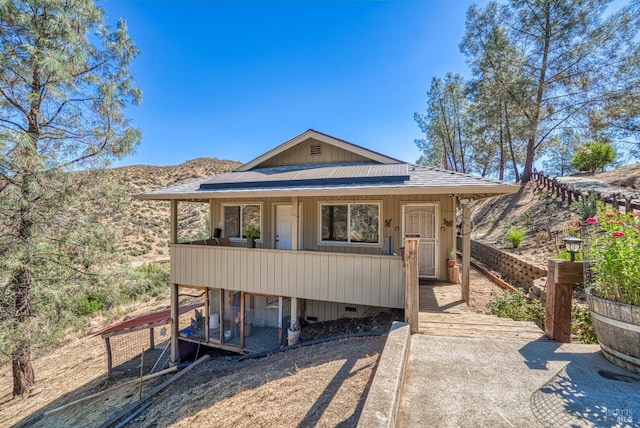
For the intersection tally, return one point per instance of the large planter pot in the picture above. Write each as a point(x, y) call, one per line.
point(617, 326)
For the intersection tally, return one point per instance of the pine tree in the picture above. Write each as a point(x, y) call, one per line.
point(64, 87)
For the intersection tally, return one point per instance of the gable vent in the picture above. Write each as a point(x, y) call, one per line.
point(316, 150)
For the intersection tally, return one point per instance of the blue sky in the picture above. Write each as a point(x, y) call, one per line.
point(234, 79)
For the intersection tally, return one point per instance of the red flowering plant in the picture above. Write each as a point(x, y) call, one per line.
point(614, 252)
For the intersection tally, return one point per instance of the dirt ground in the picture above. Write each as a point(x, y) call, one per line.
point(318, 385)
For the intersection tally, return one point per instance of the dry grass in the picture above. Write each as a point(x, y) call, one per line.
point(320, 385)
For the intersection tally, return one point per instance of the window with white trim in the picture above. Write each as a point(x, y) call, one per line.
point(354, 223)
point(236, 218)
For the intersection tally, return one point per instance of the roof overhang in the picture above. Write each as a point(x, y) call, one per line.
point(463, 192)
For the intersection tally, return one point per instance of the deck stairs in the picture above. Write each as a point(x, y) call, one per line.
point(444, 313)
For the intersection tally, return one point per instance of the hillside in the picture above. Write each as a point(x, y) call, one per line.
point(145, 224)
point(544, 218)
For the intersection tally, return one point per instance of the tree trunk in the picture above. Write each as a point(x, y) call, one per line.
point(501, 167)
point(513, 156)
point(535, 119)
point(23, 376)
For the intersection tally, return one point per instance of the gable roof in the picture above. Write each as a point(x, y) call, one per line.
point(373, 179)
point(324, 138)
point(376, 175)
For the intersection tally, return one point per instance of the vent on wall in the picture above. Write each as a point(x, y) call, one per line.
point(316, 150)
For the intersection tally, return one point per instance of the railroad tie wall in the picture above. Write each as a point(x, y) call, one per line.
point(513, 269)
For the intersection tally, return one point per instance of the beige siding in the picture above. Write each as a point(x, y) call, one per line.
point(301, 154)
point(345, 278)
point(326, 311)
point(391, 210)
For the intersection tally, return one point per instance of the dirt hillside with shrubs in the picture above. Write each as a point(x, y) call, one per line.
point(145, 224)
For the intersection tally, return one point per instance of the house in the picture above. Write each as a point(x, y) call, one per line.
point(331, 217)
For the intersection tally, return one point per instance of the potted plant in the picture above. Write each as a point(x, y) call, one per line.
point(251, 233)
point(612, 251)
point(293, 334)
point(453, 257)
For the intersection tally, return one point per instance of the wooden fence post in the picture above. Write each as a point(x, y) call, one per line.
point(411, 281)
point(561, 275)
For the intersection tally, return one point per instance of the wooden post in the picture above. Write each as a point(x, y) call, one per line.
point(212, 220)
point(279, 320)
point(222, 323)
point(561, 275)
point(411, 282)
point(173, 237)
point(207, 315)
point(466, 251)
point(141, 373)
point(294, 223)
point(294, 312)
point(152, 339)
point(107, 343)
point(175, 328)
point(242, 320)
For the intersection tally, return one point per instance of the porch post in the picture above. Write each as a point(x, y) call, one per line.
point(295, 215)
point(279, 320)
point(175, 352)
point(294, 313)
point(212, 220)
point(411, 282)
point(466, 251)
point(173, 237)
point(175, 311)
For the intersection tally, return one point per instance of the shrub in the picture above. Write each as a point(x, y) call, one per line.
point(594, 156)
point(581, 324)
point(147, 280)
point(515, 306)
point(89, 304)
point(515, 236)
point(588, 207)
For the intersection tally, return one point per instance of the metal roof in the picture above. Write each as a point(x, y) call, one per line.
point(309, 175)
point(418, 180)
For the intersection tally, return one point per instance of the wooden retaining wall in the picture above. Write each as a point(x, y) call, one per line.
point(514, 270)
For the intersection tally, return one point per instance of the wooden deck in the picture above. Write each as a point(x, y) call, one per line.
point(444, 313)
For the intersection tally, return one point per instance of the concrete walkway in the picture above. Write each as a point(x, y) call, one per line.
point(466, 369)
point(479, 382)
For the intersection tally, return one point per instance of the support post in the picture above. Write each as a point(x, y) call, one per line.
point(212, 220)
point(241, 320)
point(561, 275)
point(279, 320)
point(222, 323)
point(295, 215)
point(107, 343)
point(152, 339)
point(466, 251)
point(411, 282)
point(173, 237)
point(175, 314)
point(294, 313)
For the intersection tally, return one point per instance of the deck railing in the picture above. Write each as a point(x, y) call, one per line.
point(335, 277)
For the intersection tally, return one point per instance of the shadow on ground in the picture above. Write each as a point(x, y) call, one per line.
point(588, 391)
point(221, 379)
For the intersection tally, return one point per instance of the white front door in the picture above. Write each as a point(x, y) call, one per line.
point(283, 227)
point(423, 219)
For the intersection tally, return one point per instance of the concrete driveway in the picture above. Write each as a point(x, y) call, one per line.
point(480, 382)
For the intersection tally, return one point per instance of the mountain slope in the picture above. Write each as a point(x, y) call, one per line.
point(145, 224)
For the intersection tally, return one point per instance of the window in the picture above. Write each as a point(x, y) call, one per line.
point(237, 218)
point(350, 223)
